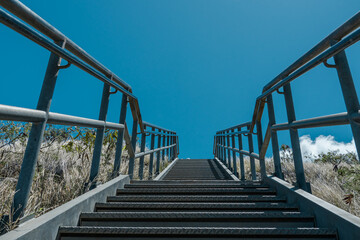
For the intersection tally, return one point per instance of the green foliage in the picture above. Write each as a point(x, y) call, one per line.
point(350, 177)
point(286, 153)
point(335, 158)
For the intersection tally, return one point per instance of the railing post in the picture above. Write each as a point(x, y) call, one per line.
point(294, 137)
point(225, 150)
point(252, 160)
point(172, 148)
point(349, 94)
point(218, 148)
point(234, 154)
point(177, 147)
point(228, 151)
point(28, 165)
point(142, 149)
point(163, 151)
point(222, 148)
point(241, 157)
point(168, 149)
point(274, 138)
point(120, 138)
point(152, 145)
point(94, 171)
point(158, 152)
point(260, 143)
point(133, 144)
point(216, 153)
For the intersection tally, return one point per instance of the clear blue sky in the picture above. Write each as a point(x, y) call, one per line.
point(196, 66)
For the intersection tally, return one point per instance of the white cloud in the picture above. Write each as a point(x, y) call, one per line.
point(324, 144)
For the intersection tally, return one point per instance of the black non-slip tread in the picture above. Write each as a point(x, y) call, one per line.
point(197, 219)
point(197, 191)
point(195, 185)
point(194, 206)
point(194, 198)
point(194, 215)
point(197, 232)
point(206, 169)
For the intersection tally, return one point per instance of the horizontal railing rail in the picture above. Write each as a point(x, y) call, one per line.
point(333, 46)
point(33, 27)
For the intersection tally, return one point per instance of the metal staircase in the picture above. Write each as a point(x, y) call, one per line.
point(196, 200)
point(190, 199)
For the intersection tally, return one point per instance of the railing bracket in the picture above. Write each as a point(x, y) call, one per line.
point(279, 92)
point(328, 65)
point(65, 66)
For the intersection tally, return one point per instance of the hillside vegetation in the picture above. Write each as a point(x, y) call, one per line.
point(66, 153)
point(334, 177)
point(63, 167)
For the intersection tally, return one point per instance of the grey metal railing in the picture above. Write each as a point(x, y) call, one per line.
point(41, 32)
point(333, 45)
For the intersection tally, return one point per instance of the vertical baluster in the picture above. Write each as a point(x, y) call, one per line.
point(234, 154)
point(99, 139)
point(163, 151)
point(158, 152)
point(168, 143)
point(260, 143)
point(241, 157)
point(120, 138)
point(152, 145)
point(171, 149)
point(274, 138)
point(251, 150)
point(224, 149)
point(28, 165)
point(133, 144)
point(294, 137)
point(142, 149)
point(349, 94)
point(228, 151)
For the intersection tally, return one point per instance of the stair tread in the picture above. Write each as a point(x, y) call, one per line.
point(194, 191)
point(218, 231)
point(195, 198)
point(195, 206)
point(194, 215)
point(194, 185)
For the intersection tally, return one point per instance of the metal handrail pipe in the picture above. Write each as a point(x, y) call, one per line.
point(324, 121)
point(252, 154)
point(158, 133)
point(62, 119)
point(36, 37)
point(12, 113)
point(155, 126)
point(153, 151)
point(349, 26)
point(232, 133)
point(330, 52)
point(26, 14)
point(237, 126)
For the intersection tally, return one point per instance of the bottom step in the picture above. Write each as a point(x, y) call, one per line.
point(107, 233)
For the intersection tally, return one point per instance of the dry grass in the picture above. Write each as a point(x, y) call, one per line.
point(60, 176)
point(325, 182)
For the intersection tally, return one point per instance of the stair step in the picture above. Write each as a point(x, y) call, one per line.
point(107, 207)
point(194, 181)
point(197, 191)
point(92, 233)
point(192, 198)
point(194, 185)
point(196, 219)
